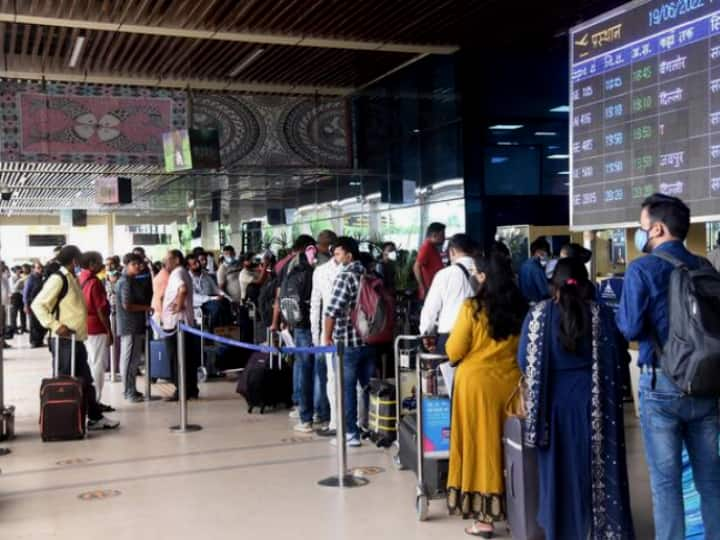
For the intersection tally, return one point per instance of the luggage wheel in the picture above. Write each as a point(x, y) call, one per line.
point(202, 374)
point(422, 507)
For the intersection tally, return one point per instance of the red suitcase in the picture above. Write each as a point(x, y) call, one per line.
point(62, 402)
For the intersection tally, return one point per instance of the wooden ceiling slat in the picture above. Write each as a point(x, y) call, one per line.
point(13, 38)
point(93, 40)
point(48, 45)
point(188, 50)
point(219, 12)
point(74, 5)
point(273, 15)
point(116, 43)
point(106, 38)
point(145, 50)
point(146, 66)
point(220, 58)
point(184, 61)
point(140, 15)
point(131, 49)
point(295, 22)
point(156, 13)
point(185, 13)
point(237, 19)
point(27, 30)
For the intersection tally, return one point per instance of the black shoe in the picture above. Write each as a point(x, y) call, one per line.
point(326, 433)
point(106, 408)
point(135, 398)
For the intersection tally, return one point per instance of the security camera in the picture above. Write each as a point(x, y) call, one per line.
point(6, 195)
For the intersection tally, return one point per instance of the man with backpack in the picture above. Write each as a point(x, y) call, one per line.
point(449, 290)
point(60, 307)
point(100, 337)
point(666, 305)
point(341, 329)
point(294, 305)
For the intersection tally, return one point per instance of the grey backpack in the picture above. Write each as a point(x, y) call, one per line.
point(691, 356)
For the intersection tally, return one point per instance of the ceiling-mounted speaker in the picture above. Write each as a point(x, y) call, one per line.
point(216, 209)
point(79, 218)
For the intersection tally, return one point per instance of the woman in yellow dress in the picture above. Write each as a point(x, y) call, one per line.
point(483, 344)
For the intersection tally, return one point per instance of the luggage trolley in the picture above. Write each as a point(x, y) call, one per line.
point(433, 432)
point(208, 370)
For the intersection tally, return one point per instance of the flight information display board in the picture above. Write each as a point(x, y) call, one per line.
point(645, 111)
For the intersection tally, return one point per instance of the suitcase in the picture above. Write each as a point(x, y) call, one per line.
point(63, 416)
point(521, 483)
point(435, 470)
point(160, 367)
point(265, 385)
point(382, 424)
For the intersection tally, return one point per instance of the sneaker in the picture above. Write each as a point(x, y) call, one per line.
point(135, 398)
point(321, 426)
point(103, 423)
point(294, 413)
point(106, 408)
point(326, 432)
point(303, 427)
point(353, 441)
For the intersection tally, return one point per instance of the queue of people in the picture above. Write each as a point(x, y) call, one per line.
point(542, 330)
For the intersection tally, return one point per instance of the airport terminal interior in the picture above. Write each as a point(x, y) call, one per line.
point(161, 132)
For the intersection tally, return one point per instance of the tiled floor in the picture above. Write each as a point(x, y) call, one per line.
point(240, 477)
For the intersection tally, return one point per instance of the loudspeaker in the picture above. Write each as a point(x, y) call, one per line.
point(216, 211)
point(276, 216)
point(124, 190)
point(79, 218)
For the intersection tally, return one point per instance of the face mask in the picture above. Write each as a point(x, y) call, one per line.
point(311, 255)
point(230, 260)
point(77, 270)
point(392, 256)
point(642, 239)
point(543, 260)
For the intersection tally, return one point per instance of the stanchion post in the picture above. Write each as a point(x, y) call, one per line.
point(3, 451)
point(148, 374)
point(184, 427)
point(343, 478)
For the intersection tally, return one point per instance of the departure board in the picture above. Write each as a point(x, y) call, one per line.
point(645, 111)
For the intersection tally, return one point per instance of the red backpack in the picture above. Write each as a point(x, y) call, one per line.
point(374, 314)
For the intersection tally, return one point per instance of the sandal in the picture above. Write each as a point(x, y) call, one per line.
point(480, 533)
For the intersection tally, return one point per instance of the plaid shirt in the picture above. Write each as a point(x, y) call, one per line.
point(342, 302)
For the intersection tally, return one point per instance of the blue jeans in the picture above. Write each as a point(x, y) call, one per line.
point(322, 405)
point(669, 418)
point(359, 364)
point(304, 369)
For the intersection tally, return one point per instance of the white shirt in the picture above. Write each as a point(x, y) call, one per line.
point(449, 290)
point(322, 287)
point(178, 278)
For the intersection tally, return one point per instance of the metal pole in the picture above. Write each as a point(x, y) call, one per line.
point(343, 478)
point(148, 375)
point(113, 347)
point(3, 431)
point(184, 427)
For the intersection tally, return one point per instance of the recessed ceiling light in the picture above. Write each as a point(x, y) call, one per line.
point(23, 179)
point(505, 127)
point(249, 59)
point(507, 143)
point(557, 156)
point(416, 130)
point(77, 49)
point(564, 173)
point(545, 133)
point(496, 160)
point(561, 108)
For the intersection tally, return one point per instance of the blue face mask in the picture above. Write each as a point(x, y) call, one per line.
point(642, 239)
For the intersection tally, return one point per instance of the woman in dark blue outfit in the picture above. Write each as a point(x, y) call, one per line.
point(569, 354)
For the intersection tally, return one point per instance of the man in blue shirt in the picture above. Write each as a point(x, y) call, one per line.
point(668, 417)
point(533, 281)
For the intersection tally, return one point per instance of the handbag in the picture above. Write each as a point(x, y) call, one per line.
point(516, 404)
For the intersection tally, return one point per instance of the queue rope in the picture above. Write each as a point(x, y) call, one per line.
point(241, 344)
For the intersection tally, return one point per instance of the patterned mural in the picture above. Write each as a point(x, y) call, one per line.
point(85, 123)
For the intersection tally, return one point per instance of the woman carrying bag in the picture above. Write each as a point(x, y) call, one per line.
point(483, 344)
point(574, 417)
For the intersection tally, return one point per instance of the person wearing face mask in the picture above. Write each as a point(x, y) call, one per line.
point(387, 267)
point(533, 281)
point(669, 418)
point(228, 260)
point(451, 287)
point(429, 259)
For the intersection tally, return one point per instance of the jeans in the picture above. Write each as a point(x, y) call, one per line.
point(17, 309)
point(304, 368)
point(358, 364)
point(322, 405)
point(82, 371)
point(131, 350)
point(668, 419)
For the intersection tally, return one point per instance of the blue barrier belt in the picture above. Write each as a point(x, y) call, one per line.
point(159, 331)
point(260, 348)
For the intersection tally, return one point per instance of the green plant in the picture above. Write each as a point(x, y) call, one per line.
point(405, 278)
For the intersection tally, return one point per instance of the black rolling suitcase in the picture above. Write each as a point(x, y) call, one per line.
point(521, 483)
point(63, 416)
point(382, 416)
point(265, 382)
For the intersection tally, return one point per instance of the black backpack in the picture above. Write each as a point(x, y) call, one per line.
point(691, 356)
point(295, 292)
